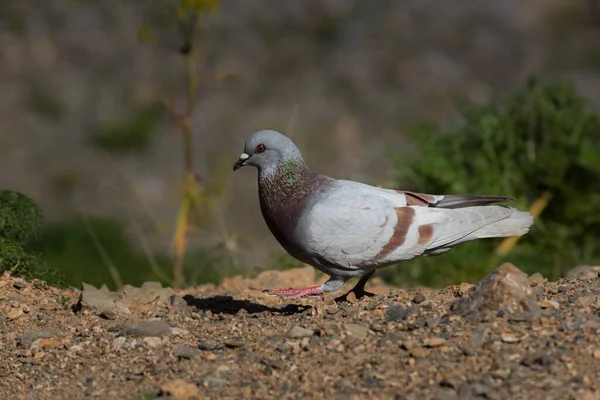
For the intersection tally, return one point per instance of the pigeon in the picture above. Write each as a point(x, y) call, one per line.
point(349, 229)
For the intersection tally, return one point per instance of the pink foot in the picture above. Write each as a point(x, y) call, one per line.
point(314, 291)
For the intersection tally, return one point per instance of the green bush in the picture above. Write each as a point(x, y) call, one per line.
point(24, 263)
point(21, 227)
point(21, 219)
point(544, 141)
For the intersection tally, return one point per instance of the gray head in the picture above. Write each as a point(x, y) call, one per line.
point(267, 149)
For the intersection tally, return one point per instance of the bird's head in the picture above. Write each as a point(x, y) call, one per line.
point(267, 149)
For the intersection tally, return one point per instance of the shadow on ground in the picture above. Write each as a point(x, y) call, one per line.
point(228, 305)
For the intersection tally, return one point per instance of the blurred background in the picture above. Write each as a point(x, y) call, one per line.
point(122, 119)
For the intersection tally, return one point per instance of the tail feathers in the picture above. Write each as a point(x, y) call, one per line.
point(497, 221)
point(460, 201)
point(517, 224)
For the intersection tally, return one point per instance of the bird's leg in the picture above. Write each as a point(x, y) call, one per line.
point(358, 289)
point(333, 284)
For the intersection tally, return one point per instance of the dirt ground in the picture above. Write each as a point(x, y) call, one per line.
point(508, 337)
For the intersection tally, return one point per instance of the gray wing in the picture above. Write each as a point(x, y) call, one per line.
point(359, 226)
point(356, 226)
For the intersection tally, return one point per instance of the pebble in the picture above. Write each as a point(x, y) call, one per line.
point(409, 345)
point(109, 315)
point(435, 342)
point(596, 353)
point(185, 352)
point(234, 343)
point(433, 322)
point(418, 352)
point(549, 303)
point(118, 342)
point(585, 301)
point(14, 313)
point(43, 344)
point(180, 390)
point(399, 313)
point(419, 298)
point(508, 338)
point(209, 345)
point(152, 341)
point(19, 285)
point(214, 381)
point(298, 332)
point(356, 330)
point(76, 349)
point(155, 327)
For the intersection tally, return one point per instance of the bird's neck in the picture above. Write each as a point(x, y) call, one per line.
point(285, 192)
point(286, 182)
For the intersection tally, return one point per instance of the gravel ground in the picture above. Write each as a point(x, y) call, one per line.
point(508, 337)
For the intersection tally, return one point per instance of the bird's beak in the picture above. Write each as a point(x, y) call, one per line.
point(241, 161)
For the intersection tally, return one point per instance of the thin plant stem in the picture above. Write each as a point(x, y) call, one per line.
point(112, 269)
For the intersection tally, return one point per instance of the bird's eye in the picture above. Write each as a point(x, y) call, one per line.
point(260, 148)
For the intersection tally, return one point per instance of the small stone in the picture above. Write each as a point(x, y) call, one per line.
point(118, 342)
point(356, 330)
point(351, 298)
point(209, 345)
point(549, 304)
point(433, 322)
point(186, 352)
point(419, 298)
point(222, 369)
point(585, 301)
point(180, 390)
point(298, 332)
point(150, 285)
point(399, 313)
point(537, 279)
point(14, 313)
point(43, 344)
point(408, 345)
point(109, 315)
point(508, 338)
point(596, 353)
point(96, 298)
point(19, 285)
point(152, 341)
point(506, 288)
point(177, 303)
point(584, 272)
point(234, 343)
point(435, 342)
point(418, 352)
point(155, 327)
point(480, 390)
point(76, 349)
point(333, 310)
point(213, 381)
point(539, 359)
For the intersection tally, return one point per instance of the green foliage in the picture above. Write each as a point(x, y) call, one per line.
point(545, 139)
point(21, 219)
point(21, 228)
point(131, 134)
point(24, 263)
point(69, 245)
